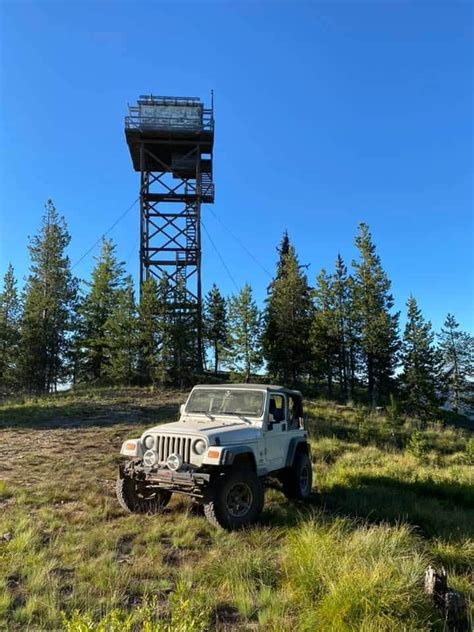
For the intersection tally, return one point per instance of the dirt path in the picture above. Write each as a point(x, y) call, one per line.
point(26, 456)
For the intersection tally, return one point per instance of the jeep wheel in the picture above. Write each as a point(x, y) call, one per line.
point(138, 497)
point(236, 500)
point(298, 480)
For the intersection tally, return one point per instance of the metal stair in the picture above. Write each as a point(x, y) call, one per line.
point(207, 186)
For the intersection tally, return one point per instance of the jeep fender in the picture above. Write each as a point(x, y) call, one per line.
point(229, 455)
point(297, 443)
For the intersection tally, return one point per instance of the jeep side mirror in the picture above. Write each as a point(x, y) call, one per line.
point(181, 409)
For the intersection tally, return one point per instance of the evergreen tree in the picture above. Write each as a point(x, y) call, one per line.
point(376, 326)
point(288, 315)
point(167, 332)
point(457, 350)
point(342, 285)
point(121, 337)
point(344, 325)
point(49, 301)
point(324, 331)
point(148, 332)
point(215, 323)
point(353, 359)
point(155, 331)
point(181, 330)
point(244, 332)
point(420, 380)
point(283, 250)
point(332, 330)
point(9, 333)
point(94, 312)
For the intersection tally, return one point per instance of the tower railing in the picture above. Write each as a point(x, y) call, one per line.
point(136, 121)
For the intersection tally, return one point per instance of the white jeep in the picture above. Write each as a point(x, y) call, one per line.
point(229, 441)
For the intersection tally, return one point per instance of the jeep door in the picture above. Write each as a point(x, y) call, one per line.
point(275, 434)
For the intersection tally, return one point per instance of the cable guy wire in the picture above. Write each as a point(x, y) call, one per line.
point(242, 245)
point(104, 234)
point(224, 265)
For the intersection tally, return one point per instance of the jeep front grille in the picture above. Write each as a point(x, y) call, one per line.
point(169, 444)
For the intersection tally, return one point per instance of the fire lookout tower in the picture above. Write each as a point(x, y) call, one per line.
point(171, 143)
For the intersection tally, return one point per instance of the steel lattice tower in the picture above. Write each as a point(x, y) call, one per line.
point(171, 144)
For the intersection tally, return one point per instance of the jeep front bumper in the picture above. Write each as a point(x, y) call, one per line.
point(164, 476)
point(187, 481)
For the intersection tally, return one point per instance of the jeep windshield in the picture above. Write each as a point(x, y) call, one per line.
point(220, 401)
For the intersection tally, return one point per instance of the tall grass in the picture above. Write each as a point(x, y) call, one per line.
point(356, 577)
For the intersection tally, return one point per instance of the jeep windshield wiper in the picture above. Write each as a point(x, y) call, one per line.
point(201, 412)
point(239, 415)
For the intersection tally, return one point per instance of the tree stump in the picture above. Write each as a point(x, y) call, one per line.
point(450, 603)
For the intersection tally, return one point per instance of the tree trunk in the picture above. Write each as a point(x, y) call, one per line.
point(456, 386)
point(370, 379)
point(329, 379)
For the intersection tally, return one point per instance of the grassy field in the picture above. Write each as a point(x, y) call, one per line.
point(389, 499)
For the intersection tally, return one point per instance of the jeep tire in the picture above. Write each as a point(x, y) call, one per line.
point(298, 480)
point(137, 497)
point(234, 500)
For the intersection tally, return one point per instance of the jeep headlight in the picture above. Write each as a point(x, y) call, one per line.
point(199, 446)
point(174, 462)
point(149, 458)
point(149, 442)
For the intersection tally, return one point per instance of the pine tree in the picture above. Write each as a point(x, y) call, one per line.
point(215, 323)
point(332, 330)
point(182, 327)
point(94, 311)
point(49, 301)
point(324, 331)
point(420, 380)
point(377, 327)
point(121, 337)
point(167, 331)
point(344, 324)
point(148, 339)
point(9, 333)
point(244, 320)
point(154, 332)
point(288, 315)
point(457, 350)
point(353, 348)
point(283, 249)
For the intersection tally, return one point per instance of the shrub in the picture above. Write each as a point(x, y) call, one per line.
point(469, 451)
point(363, 426)
point(394, 419)
point(188, 613)
point(417, 445)
point(113, 621)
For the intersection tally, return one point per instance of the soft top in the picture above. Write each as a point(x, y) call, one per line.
point(270, 388)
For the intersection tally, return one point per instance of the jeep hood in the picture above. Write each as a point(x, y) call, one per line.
point(228, 429)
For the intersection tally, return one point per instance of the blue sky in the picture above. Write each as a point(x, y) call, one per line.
point(327, 114)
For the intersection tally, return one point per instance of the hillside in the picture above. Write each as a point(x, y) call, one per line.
point(387, 502)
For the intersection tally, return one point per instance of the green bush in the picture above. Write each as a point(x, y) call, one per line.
point(469, 451)
point(418, 445)
point(395, 420)
point(363, 426)
point(188, 613)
